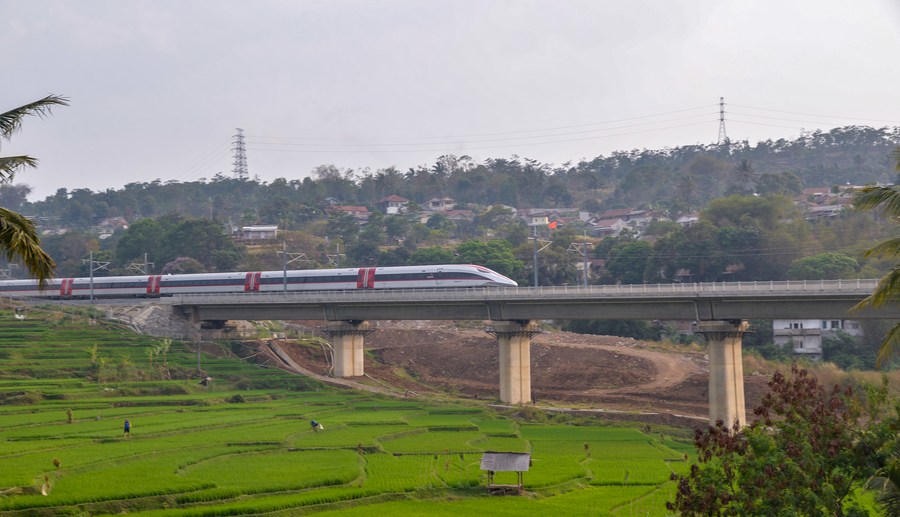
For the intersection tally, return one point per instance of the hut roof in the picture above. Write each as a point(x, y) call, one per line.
point(506, 461)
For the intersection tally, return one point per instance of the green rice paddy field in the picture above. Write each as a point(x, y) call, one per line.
point(243, 445)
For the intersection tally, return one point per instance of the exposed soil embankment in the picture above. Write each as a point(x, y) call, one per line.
point(585, 371)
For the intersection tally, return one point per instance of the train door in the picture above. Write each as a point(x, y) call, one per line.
point(65, 287)
point(365, 278)
point(153, 282)
point(251, 282)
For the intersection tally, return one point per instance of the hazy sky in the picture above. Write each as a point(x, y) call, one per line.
point(157, 87)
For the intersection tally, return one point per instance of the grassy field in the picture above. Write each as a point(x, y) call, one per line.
point(243, 444)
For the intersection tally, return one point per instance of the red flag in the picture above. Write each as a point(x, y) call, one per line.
point(552, 225)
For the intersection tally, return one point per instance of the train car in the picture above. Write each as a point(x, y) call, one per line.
point(402, 277)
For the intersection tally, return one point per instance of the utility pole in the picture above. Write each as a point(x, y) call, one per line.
point(534, 237)
point(723, 138)
point(7, 271)
point(287, 258)
point(336, 258)
point(141, 269)
point(582, 248)
point(94, 266)
point(543, 245)
point(240, 156)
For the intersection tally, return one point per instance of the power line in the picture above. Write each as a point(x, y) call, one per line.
point(843, 117)
point(519, 131)
point(256, 141)
point(464, 147)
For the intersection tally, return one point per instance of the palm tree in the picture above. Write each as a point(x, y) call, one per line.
point(888, 288)
point(18, 236)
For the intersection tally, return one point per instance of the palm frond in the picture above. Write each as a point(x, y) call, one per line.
point(19, 238)
point(887, 290)
point(886, 483)
point(888, 247)
point(888, 346)
point(11, 121)
point(10, 165)
point(887, 198)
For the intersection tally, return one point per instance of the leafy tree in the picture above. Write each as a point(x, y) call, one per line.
point(142, 236)
point(396, 227)
point(807, 453)
point(785, 183)
point(761, 341)
point(204, 240)
point(628, 262)
point(69, 250)
point(343, 226)
point(183, 265)
point(14, 197)
point(748, 211)
point(847, 352)
point(496, 254)
point(432, 255)
point(824, 266)
point(395, 257)
point(439, 221)
point(18, 236)
point(363, 253)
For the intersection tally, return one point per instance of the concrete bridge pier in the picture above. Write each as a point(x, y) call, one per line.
point(515, 358)
point(348, 338)
point(726, 370)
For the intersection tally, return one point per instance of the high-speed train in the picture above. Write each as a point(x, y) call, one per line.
point(151, 286)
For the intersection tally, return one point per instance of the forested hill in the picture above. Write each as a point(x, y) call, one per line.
point(679, 180)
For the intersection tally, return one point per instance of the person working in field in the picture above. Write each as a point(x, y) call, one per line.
point(316, 427)
point(127, 428)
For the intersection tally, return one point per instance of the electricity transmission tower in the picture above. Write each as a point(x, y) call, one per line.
point(240, 156)
point(723, 138)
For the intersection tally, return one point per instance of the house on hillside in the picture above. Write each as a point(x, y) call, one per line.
point(537, 219)
point(393, 204)
point(359, 213)
point(440, 204)
point(258, 232)
point(688, 220)
point(607, 227)
point(817, 195)
point(818, 213)
point(625, 214)
point(460, 215)
point(805, 336)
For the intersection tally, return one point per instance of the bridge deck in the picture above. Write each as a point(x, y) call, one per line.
point(699, 301)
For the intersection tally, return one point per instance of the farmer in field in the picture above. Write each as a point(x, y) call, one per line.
point(315, 426)
point(127, 428)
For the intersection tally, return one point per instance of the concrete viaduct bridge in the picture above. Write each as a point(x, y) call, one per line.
point(720, 310)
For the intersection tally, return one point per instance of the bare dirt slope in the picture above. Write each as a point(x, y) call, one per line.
point(574, 370)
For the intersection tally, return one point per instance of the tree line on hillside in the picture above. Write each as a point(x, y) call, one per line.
point(677, 180)
point(738, 238)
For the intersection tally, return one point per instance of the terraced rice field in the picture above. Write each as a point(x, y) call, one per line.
point(243, 445)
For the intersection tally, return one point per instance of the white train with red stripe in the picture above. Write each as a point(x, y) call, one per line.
point(402, 277)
